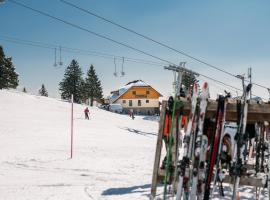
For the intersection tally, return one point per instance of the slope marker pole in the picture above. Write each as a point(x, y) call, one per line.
point(71, 142)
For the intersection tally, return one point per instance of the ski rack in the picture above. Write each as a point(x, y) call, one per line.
point(256, 112)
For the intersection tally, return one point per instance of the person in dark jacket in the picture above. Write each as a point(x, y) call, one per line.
point(86, 113)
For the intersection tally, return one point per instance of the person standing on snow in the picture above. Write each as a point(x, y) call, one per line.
point(86, 113)
point(131, 113)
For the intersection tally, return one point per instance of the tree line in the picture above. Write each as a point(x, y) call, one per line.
point(81, 88)
point(72, 83)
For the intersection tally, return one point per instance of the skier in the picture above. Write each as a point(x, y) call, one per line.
point(131, 113)
point(86, 113)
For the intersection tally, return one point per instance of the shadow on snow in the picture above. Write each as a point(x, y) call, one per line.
point(126, 190)
point(132, 130)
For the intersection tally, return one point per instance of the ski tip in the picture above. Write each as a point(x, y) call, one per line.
point(248, 88)
point(205, 85)
point(205, 88)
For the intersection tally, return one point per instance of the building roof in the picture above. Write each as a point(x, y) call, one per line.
point(118, 93)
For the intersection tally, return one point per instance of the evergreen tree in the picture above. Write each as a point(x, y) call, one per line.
point(2, 69)
point(12, 76)
point(188, 80)
point(43, 91)
point(92, 86)
point(72, 82)
point(8, 76)
point(24, 90)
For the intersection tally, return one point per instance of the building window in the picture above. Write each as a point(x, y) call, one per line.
point(130, 103)
point(147, 92)
point(124, 101)
point(134, 92)
point(147, 101)
point(139, 103)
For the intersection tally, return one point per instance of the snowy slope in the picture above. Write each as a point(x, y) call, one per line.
point(113, 155)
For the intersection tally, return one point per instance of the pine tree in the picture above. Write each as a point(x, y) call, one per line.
point(24, 90)
point(92, 86)
point(8, 76)
point(12, 76)
point(43, 91)
point(72, 82)
point(2, 69)
point(188, 80)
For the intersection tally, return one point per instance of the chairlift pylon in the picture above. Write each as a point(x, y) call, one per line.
point(122, 72)
point(60, 56)
point(115, 73)
point(55, 64)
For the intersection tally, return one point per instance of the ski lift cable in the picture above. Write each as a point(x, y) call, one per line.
point(157, 42)
point(29, 44)
point(232, 87)
point(76, 50)
point(219, 86)
point(86, 52)
point(89, 31)
point(96, 34)
point(73, 50)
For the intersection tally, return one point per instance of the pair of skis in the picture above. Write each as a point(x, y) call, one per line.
point(215, 146)
point(198, 176)
point(219, 174)
point(191, 144)
point(242, 112)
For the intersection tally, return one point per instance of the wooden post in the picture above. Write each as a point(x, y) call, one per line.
point(71, 141)
point(158, 150)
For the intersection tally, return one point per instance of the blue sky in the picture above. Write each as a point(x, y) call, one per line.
point(232, 35)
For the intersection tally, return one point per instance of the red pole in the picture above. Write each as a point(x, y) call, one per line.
point(71, 149)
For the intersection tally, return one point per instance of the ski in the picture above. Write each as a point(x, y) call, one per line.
point(266, 124)
point(200, 147)
point(184, 163)
point(169, 143)
point(258, 147)
point(242, 112)
point(214, 146)
point(218, 172)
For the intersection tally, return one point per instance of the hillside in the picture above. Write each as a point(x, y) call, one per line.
point(113, 155)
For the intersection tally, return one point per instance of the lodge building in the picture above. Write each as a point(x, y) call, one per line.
point(138, 96)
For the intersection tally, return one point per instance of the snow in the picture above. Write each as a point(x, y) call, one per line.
point(113, 154)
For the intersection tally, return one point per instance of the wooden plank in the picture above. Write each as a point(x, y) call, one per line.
point(158, 150)
point(256, 112)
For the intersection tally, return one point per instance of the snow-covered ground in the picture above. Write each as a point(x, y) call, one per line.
point(113, 154)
